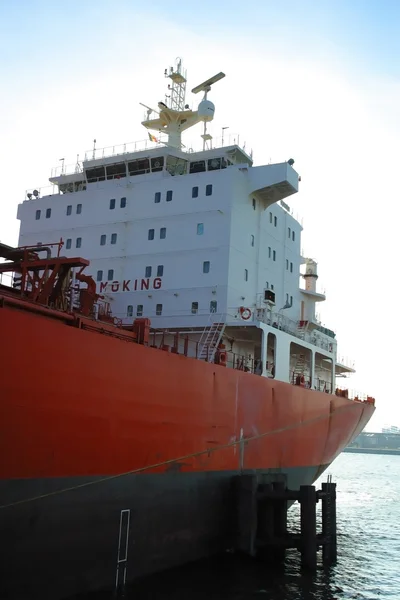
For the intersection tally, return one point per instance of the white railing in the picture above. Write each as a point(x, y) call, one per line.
point(141, 146)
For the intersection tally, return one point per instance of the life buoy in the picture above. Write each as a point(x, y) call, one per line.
point(245, 313)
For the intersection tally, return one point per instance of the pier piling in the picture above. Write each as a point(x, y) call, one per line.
point(262, 520)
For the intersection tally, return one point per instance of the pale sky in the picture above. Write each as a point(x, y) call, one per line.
point(314, 80)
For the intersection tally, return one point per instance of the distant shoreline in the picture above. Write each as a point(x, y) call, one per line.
point(373, 451)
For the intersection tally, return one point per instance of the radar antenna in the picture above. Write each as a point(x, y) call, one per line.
point(175, 116)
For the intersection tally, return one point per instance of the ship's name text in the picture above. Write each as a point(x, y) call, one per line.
point(131, 285)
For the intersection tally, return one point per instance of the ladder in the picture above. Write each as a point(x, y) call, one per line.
point(299, 366)
point(211, 337)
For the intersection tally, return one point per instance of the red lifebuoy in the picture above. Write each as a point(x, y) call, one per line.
point(245, 313)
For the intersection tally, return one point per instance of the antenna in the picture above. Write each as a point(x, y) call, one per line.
point(62, 166)
point(94, 149)
point(178, 87)
point(149, 110)
point(206, 85)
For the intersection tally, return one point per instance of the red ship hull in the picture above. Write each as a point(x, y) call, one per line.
point(92, 425)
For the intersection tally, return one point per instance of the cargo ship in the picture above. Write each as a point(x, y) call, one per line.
point(159, 337)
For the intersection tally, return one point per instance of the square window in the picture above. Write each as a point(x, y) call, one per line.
point(48, 213)
point(112, 203)
point(99, 276)
point(78, 242)
point(150, 235)
point(122, 205)
point(275, 221)
point(163, 233)
point(274, 255)
point(38, 215)
point(139, 310)
point(291, 267)
point(269, 251)
point(157, 197)
point(103, 239)
point(195, 308)
point(69, 210)
point(206, 266)
point(78, 209)
point(147, 272)
point(246, 275)
point(208, 189)
point(293, 235)
point(113, 238)
point(213, 306)
point(270, 217)
point(110, 274)
point(195, 192)
point(254, 204)
point(158, 310)
point(68, 243)
point(252, 240)
point(160, 270)
point(200, 228)
point(169, 196)
point(129, 310)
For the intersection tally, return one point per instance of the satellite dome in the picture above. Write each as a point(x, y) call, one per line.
point(206, 110)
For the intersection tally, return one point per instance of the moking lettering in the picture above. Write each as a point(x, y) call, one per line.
point(131, 285)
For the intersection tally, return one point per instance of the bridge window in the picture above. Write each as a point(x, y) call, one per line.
point(206, 266)
point(169, 195)
point(157, 164)
point(123, 202)
point(213, 306)
point(99, 276)
point(113, 238)
point(68, 243)
point(163, 233)
point(112, 203)
point(110, 274)
point(38, 213)
point(116, 171)
point(96, 174)
point(150, 235)
point(129, 310)
point(103, 239)
point(139, 310)
point(158, 310)
point(147, 272)
point(157, 197)
point(139, 167)
point(78, 242)
point(195, 192)
point(197, 167)
point(214, 164)
point(195, 308)
point(48, 213)
point(78, 209)
point(160, 270)
point(69, 210)
point(209, 189)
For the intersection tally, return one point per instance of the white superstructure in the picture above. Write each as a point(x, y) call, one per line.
point(196, 241)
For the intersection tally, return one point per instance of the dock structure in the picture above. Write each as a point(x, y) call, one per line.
point(262, 520)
